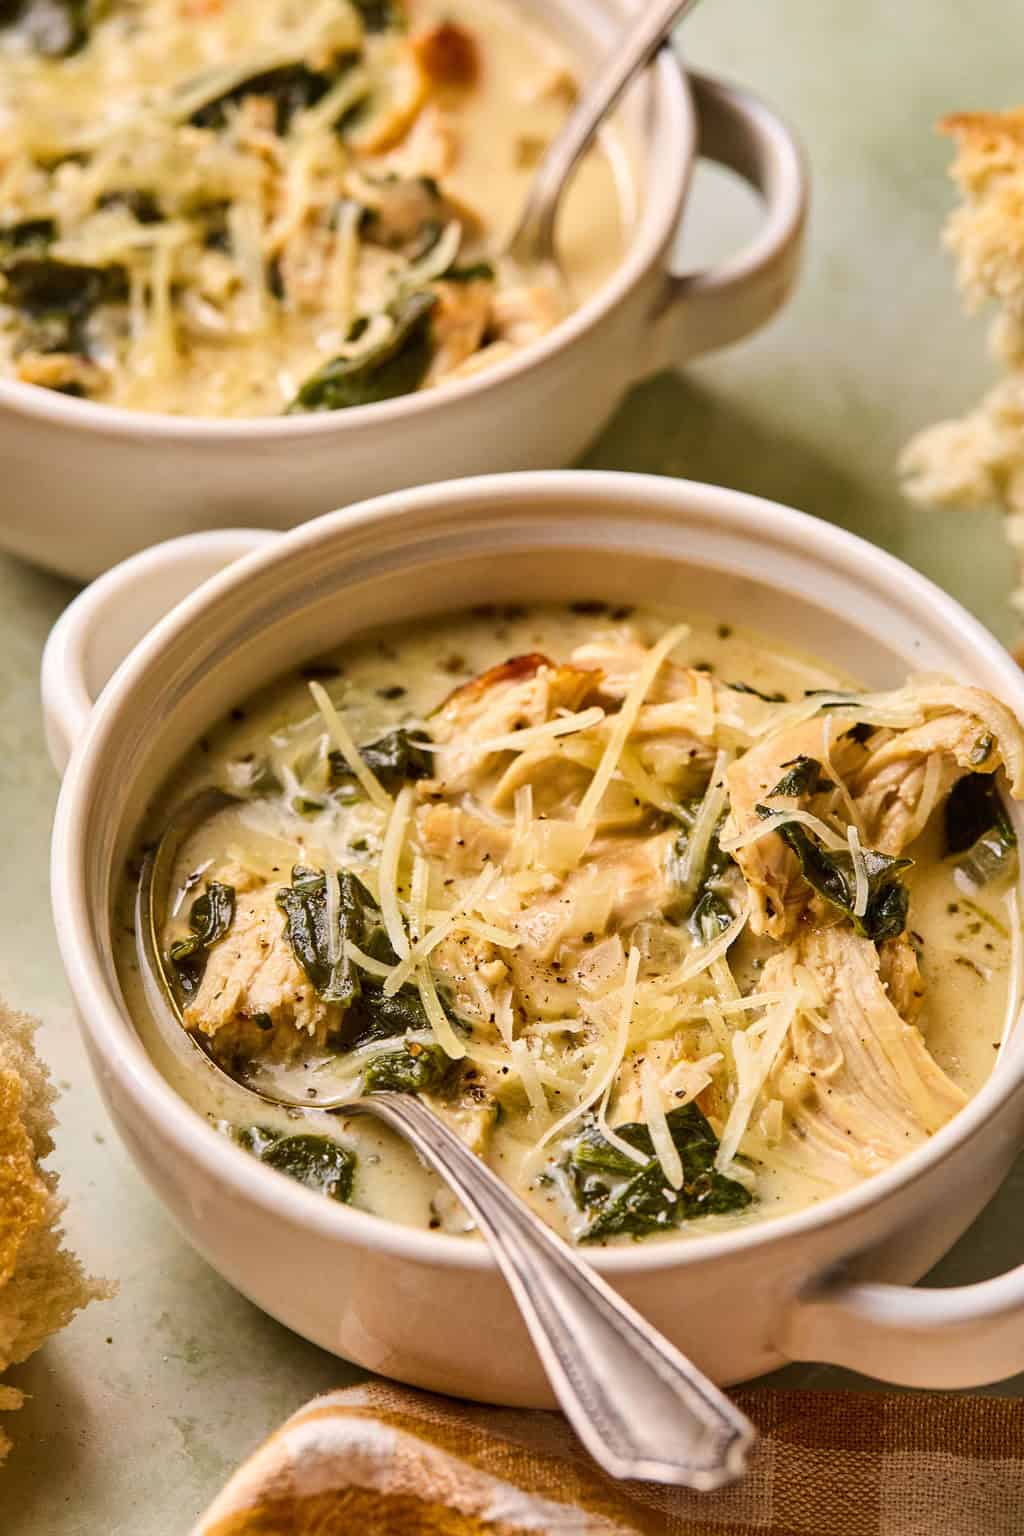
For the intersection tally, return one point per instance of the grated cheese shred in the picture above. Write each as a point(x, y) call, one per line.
point(626, 719)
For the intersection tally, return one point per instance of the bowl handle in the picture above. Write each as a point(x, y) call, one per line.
point(698, 311)
point(97, 630)
point(957, 1336)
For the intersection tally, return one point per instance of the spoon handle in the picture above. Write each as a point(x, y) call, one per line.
point(642, 1409)
point(641, 42)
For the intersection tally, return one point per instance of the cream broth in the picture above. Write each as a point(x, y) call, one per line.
point(931, 988)
point(202, 207)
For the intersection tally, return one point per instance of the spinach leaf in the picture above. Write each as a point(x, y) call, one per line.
point(831, 875)
point(475, 272)
point(291, 87)
point(979, 830)
point(370, 1014)
point(711, 916)
point(397, 367)
point(28, 237)
point(701, 902)
point(624, 1198)
point(803, 777)
point(414, 1069)
point(53, 28)
point(381, 15)
point(252, 775)
point(210, 917)
point(376, 1016)
point(143, 205)
point(395, 759)
point(769, 698)
point(304, 904)
point(58, 297)
point(319, 1164)
point(254, 1138)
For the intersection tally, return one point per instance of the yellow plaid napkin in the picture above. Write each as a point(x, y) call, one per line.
point(381, 1460)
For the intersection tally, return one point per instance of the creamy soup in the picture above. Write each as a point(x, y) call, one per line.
point(677, 929)
point(245, 207)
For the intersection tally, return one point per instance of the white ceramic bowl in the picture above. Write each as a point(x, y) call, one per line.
point(421, 1306)
point(86, 485)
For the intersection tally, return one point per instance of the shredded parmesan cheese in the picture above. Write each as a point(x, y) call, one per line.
point(604, 1076)
point(390, 857)
point(705, 822)
point(753, 834)
point(860, 873)
point(626, 719)
point(754, 1053)
point(339, 734)
point(533, 735)
point(654, 1114)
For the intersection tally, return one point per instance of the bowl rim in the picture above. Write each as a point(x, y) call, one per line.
point(667, 79)
point(106, 1021)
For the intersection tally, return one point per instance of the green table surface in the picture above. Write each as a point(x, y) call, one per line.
point(142, 1407)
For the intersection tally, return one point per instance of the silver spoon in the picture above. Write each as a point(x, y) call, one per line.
point(532, 242)
point(641, 1408)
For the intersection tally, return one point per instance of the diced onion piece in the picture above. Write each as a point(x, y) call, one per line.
point(527, 1069)
point(626, 719)
point(654, 1114)
point(339, 734)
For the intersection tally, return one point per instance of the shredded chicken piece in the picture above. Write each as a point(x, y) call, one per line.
point(459, 321)
point(523, 315)
point(471, 1111)
point(524, 691)
point(901, 976)
point(884, 779)
point(462, 842)
point(888, 785)
point(473, 971)
point(252, 975)
point(866, 1092)
point(778, 892)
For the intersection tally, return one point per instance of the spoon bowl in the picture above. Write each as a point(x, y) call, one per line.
point(531, 244)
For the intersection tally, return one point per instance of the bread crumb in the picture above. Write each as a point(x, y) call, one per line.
point(42, 1285)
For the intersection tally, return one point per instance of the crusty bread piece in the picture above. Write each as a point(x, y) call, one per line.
point(986, 233)
point(978, 459)
point(42, 1286)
